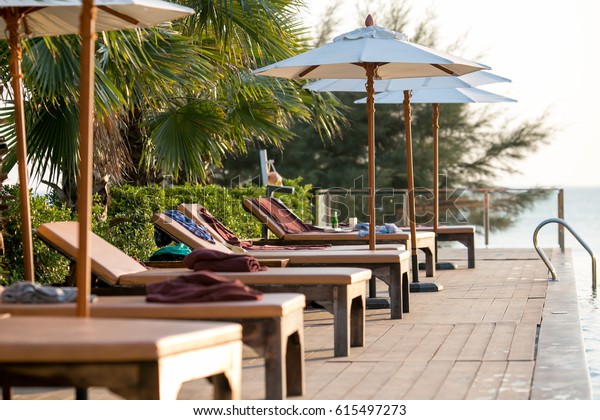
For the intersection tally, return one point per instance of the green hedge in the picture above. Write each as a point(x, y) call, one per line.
point(127, 225)
point(50, 267)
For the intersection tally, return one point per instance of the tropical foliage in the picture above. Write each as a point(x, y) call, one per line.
point(171, 101)
point(126, 223)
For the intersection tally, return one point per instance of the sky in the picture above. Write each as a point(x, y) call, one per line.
point(548, 48)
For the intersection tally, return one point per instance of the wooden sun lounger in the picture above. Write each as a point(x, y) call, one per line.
point(425, 241)
point(136, 359)
point(273, 327)
point(460, 233)
point(395, 261)
point(192, 211)
point(340, 289)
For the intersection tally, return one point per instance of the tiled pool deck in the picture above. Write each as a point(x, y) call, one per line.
point(500, 331)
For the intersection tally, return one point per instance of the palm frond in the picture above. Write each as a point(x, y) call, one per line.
point(52, 142)
point(184, 137)
point(249, 31)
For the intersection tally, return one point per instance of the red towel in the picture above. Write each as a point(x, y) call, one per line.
point(202, 286)
point(284, 217)
point(208, 259)
point(216, 224)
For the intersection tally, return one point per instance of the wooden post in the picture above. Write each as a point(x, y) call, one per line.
point(486, 217)
point(411, 186)
point(436, 176)
point(12, 19)
point(370, 68)
point(86, 139)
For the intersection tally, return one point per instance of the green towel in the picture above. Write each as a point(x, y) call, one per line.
point(171, 253)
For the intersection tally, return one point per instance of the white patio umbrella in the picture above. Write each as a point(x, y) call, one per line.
point(370, 53)
point(408, 84)
point(437, 97)
point(134, 13)
point(469, 80)
point(33, 18)
point(474, 79)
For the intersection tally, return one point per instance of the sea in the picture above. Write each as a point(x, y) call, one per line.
point(582, 213)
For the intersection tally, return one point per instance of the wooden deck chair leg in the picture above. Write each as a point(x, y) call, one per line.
point(295, 363)
point(222, 387)
point(341, 322)
point(284, 365)
point(373, 287)
point(396, 292)
point(357, 324)
point(429, 261)
point(470, 244)
point(81, 393)
point(405, 292)
point(275, 363)
point(349, 319)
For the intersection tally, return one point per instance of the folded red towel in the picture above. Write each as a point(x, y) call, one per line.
point(208, 259)
point(202, 286)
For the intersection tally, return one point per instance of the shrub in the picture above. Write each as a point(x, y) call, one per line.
point(50, 266)
point(131, 209)
point(127, 223)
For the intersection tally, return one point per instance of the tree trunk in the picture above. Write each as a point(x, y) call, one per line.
point(141, 173)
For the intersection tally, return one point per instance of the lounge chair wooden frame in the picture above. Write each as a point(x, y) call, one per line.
point(396, 261)
point(464, 234)
point(425, 241)
point(273, 327)
point(136, 359)
point(341, 289)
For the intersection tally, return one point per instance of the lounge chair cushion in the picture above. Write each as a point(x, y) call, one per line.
point(189, 224)
point(177, 231)
point(109, 262)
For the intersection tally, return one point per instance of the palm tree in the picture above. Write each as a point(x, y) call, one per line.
point(170, 100)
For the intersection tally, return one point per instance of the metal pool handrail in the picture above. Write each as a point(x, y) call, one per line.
point(544, 258)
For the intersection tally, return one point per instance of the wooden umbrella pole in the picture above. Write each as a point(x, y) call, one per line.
point(436, 167)
point(411, 186)
point(84, 186)
point(370, 87)
point(12, 24)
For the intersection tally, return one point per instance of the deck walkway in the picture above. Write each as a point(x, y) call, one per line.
point(499, 331)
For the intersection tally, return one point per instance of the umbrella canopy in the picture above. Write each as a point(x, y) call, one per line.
point(371, 53)
point(391, 52)
point(440, 96)
point(60, 17)
point(437, 97)
point(477, 78)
